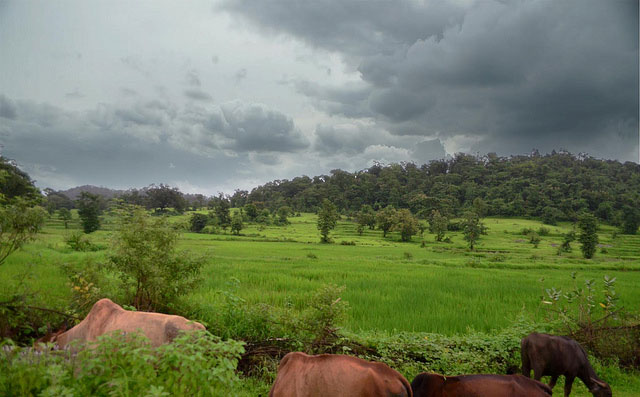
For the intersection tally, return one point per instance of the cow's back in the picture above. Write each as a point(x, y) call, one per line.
point(553, 354)
point(435, 385)
point(301, 375)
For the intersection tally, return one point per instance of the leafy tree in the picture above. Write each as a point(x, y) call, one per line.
point(144, 258)
point(264, 217)
point(198, 222)
point(65, 216)
point(252, 211)
point(472, 228)
point(631, 220)
point(16, 183)
point(385, 219)
point(588, 237)
point(480, 207)
point(438, 224)
point(366, 217)
point(89, 211)
point(222, 212)
point(163, 196)
point(406, 224)
point(236, 223)
point(19, 224)
point(283, 213)
point(327, 219)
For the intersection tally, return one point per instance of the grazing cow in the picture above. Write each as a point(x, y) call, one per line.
point(106, 316)
point(558, 355)
point(301, 375)
point(436, 385)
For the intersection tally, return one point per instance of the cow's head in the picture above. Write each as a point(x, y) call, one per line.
point(600, 388)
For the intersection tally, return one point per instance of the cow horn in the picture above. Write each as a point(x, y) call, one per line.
point(599, 383)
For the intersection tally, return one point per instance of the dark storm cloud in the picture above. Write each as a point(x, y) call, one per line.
point(509, 75)
point(255, 127)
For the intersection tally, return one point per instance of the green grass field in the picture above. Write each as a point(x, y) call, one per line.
point(390, 285)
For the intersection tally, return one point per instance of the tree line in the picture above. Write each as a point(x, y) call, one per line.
point(554, 187)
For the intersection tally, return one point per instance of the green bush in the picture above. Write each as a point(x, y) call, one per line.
point(195, 364)
point(78, 241)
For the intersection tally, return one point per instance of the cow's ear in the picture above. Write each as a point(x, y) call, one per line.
point(599, 383)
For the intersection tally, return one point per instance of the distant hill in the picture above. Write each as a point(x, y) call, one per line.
point(74, 192)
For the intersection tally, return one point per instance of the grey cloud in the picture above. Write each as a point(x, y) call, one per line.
point(255, 127)
point(193, 79)
point(428, 150)
point(352, 27)
point(197, 95)
point(349, 100)
point(7, 108)
point(127, 145)
point(510, 74)
point(354, 138)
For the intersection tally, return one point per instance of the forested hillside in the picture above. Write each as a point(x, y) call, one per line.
point(553, 187)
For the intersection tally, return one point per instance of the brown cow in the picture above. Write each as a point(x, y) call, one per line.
point(558, 355)
point(436, 385)
point(106, 316)
point(301, 375)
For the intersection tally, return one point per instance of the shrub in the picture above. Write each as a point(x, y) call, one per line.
point(197, 364)
point(595, 320)
point(543, 231)
point(78, 241)
point(407, 255)
point(588, 237)
point(145, 261)
point(343, 242)
point(534, 239)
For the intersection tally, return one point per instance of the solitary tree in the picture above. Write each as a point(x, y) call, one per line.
point(588, 235)
point(438, 224)
point(385, 219)
point(472, 228)
point(236, 223)
point(198, 222)
point(65, 216)
point(406, 224)
point(327, 219)
point(89, 211)
point(222, 213)
point(366, 217)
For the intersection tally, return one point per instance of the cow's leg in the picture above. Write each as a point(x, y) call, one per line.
point(553, 381)
point(568, 382)
point(526, 367)
point(537, 373)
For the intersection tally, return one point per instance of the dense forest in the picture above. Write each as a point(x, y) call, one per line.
point(553, 187)
point(557, 186)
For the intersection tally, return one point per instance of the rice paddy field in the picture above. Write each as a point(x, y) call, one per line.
point(391, 286)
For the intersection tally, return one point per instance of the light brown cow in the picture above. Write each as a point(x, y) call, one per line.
point(302, 375)
point(106, 316)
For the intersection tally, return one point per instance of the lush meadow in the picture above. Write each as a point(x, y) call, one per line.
point(390, 286)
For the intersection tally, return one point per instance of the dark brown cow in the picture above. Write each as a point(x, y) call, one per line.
point(436, 385)
point(558, 355)
point(301, 375)
point(106, 316)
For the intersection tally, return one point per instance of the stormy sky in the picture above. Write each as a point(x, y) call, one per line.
point(214, 96)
